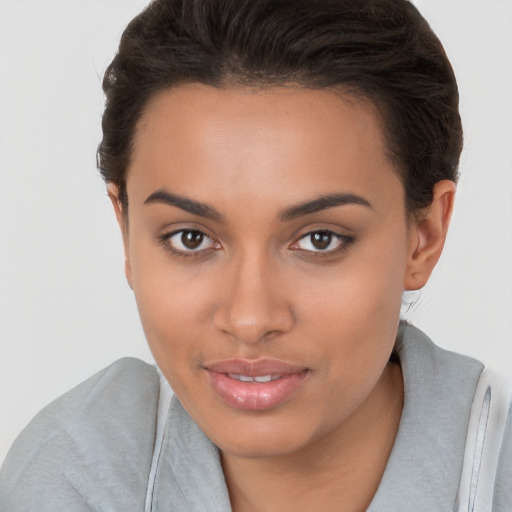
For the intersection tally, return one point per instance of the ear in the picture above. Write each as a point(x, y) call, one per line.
point(427, 236)
point(122, 220)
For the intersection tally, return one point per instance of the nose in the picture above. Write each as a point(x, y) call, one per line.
point(253, 307)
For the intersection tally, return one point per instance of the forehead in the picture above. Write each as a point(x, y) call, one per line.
point(216, 140)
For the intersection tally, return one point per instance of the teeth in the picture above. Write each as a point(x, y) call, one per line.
point(263, 378)
point(258, 378)
point(236, 376)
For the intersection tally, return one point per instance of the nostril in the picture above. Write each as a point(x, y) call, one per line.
point(254, 325)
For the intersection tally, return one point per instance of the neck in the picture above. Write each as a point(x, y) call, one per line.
point(345, 466)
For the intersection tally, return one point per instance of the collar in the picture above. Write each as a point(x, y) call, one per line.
point(423, 470)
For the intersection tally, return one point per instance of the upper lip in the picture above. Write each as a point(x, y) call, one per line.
point(253, 368)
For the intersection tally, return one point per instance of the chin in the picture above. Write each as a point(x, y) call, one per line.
point(261, 439)
point(259, 449)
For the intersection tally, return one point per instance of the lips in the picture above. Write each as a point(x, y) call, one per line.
point(255, 385)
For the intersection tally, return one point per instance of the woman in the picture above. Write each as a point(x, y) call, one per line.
point(281, 173)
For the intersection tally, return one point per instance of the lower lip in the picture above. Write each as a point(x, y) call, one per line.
point(255, 396)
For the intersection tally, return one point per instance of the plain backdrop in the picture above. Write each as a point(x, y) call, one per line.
point(65, 309)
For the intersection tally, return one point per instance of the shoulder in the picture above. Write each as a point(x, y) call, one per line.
point(92, 445)
point(487, 452)
point(450, 405)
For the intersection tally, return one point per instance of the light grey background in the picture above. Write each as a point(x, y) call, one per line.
point(65, 309)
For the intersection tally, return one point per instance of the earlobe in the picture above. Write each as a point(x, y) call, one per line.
point(428, 235)
point(121, 216)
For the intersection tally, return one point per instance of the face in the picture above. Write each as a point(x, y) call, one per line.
point(267, 246)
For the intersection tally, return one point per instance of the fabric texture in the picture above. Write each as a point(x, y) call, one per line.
point(93, 448)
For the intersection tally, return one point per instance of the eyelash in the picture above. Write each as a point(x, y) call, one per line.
point(165, 241)
point(344, 243)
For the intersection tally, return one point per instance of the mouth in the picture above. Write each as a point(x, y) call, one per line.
point(255, 385)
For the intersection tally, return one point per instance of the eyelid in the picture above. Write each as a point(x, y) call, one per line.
point(165, 241)
point(345, 242)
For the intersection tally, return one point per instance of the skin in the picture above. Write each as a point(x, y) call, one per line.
point(257, 287)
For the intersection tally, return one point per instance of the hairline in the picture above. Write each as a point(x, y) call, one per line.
point(351, 95)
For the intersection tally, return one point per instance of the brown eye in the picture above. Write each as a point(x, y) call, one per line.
point(321, 240)
point(192, 239)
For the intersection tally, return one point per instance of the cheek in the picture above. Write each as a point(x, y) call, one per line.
point(362, 292)
point(169, 303)
point(169, 309)
point(354, 314)
point(169, 313)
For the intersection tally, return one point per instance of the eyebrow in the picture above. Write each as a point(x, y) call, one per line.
point(322, 203)
point(204, 210)
point(184, 203)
